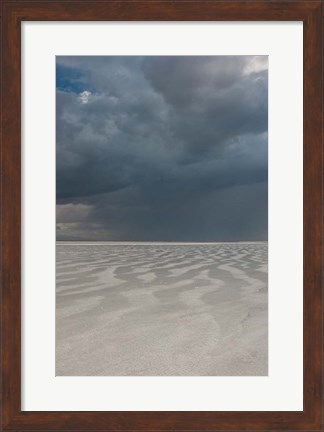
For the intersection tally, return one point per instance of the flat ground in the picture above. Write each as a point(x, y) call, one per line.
point(161, 309)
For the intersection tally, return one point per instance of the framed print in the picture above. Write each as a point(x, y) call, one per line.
point(161, 215)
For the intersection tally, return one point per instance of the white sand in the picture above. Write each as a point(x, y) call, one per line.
point(161, 309)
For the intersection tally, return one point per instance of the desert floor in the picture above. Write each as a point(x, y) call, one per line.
point(161, 309)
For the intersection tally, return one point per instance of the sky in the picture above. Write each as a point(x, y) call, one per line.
point(168, 148)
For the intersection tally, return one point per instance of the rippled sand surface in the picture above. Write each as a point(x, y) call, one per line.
point(161, 309)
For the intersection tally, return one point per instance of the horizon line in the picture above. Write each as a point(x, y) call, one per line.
point(161, 241)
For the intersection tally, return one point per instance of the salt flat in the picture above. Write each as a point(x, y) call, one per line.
point(161, 308)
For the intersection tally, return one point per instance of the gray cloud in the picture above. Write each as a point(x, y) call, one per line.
point(162, 148)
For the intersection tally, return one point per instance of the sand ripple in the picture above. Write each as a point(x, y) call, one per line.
point(161, 309)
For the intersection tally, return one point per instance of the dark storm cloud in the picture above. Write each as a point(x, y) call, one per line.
point(162, 148)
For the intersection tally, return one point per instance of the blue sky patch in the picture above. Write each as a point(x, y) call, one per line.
point(74, 80)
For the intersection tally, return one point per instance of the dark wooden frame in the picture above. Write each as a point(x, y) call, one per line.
point(15, 11)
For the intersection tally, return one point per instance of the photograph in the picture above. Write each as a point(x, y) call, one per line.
point(161, 215)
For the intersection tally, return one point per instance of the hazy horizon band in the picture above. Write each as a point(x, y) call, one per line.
point(105, 242)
